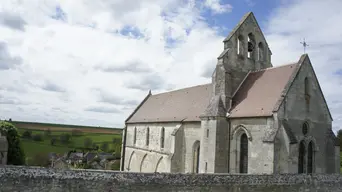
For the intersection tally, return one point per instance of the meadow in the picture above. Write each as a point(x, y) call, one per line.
point(34, 148)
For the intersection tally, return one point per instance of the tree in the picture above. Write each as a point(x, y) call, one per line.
point(339, 136)
point(27, 134)
point(95, 147)
point(88, 142)
point(47, 133)
point(116, 140)
point(37, 137)
point(53, 141)
point(104, 147)
point(65, 138)
point(15, 154)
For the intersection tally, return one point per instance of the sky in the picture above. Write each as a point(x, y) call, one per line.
point(88, 62)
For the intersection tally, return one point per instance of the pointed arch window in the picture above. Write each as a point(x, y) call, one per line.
point(162, 138)
point(310, 157)
point(147, 136)
point(243, 153)
point(196, 156)
point(135, 136)
point(301, 157)
point(251, 46)
point(261, 52)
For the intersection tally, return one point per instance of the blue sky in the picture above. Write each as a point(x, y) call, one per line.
point(91, 62)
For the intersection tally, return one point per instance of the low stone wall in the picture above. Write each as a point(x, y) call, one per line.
point(41, 179)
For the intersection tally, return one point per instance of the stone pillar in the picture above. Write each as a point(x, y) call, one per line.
point(3, 150)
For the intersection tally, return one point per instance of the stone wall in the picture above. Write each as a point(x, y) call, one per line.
point(27, 179)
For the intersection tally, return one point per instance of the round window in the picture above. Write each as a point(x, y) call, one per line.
point(305, 128)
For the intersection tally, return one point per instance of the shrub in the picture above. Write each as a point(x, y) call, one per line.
point(53, 141)
point(88, 142)
point(15, 155)
point(40, 159)
point(65, 138)
point(27, 134)
point(115, 165)
point(104, 147)
point(47, 133)
point(95, 147)
point(116, 140)
point(37, 137)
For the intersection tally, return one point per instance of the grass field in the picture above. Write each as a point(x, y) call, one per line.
point(64, 127)
point(33, 148)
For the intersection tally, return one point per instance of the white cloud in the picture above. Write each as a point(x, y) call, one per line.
point(77, 66)
point(318, 22)
point(217, 7)
point(80, 51)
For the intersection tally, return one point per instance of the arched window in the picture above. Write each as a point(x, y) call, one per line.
point(251, 46)
point(243, 153)
point(310, 157)
point(261, 52)
point(147, 136)
point(162, 137)
point(135, 136)
point(240, 45)
point(301, 155)
point(196, 156)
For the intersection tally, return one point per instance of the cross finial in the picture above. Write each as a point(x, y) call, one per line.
point(304, 44)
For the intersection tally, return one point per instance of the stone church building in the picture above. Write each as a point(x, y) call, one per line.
point(252, 118)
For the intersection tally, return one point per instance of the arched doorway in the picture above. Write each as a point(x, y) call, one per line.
point(243, 153)
point(310, 157)
point(301, 155)
point(196, 155)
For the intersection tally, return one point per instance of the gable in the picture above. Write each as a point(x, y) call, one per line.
point(295, 94)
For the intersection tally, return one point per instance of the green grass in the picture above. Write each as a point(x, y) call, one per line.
point(32, 148)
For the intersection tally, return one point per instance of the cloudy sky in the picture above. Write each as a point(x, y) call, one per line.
point(91, 62)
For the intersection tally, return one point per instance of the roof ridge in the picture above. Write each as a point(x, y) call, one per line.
point(276, 67)
point(181, 89)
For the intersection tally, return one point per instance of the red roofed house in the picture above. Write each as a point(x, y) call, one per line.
point(252, 118)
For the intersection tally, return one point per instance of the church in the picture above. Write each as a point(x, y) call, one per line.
point(252, 118)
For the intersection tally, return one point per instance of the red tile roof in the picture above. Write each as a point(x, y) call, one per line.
point(257, 96)
point(261, 90)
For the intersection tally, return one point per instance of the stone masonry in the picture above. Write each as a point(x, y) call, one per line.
point(32, 179)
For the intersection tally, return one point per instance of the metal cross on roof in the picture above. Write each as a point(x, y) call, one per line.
point(304, 44)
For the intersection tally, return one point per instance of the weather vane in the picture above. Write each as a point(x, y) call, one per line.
point(304, 44)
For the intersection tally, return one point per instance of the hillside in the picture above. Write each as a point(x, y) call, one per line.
point(65, 127)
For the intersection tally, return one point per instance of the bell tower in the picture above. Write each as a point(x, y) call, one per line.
point(245, 50)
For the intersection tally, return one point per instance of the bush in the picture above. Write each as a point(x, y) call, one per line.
point(88, 142)
point(95, 147)
point(104, 147)
point(15, 155)
point(27, 134)
point(37, 137)
point(53, 141)
point(116, 140)
point(40, 159)
point(65, 138)
point(47, 133)
point(115, 165)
